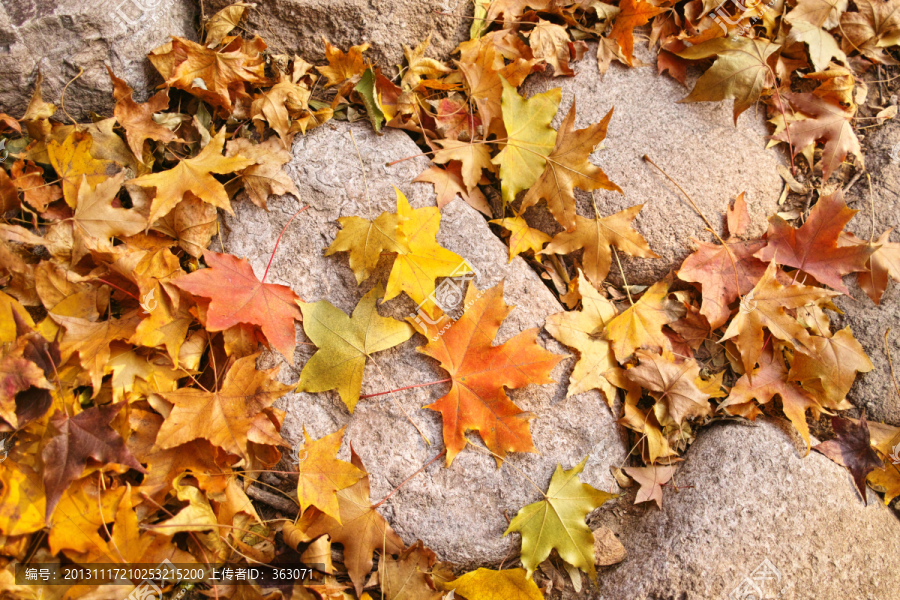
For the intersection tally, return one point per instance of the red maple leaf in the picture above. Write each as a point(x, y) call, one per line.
point(237, 296)
point(814, 246)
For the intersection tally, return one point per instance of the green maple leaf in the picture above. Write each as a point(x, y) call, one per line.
point(558, 522)
point(345, 343)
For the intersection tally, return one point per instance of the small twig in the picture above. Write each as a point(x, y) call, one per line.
point(277, 502)
point(872, 206)
point(887, 350)
point(852, 182)
point(112, 285)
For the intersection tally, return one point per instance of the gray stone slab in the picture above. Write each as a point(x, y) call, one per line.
point(458, 512)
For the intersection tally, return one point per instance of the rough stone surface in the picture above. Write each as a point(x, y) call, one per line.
point(297, 26)
point(747, 495)
point(874, 391)
point(59, 36)
point(458, 512)
point(697, 144)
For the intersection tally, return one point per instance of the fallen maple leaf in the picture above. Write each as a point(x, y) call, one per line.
point(550, 42)
point(741, 72)
point(674, 385)
point(361, 529)
point(86, 435)
point(486, 584)
point(23, 504)
point(95, 220)
point(829, 366)
point(79, 516)
point(765, 306)
point(345, 343)
point(221, 72)
point(558, 522)
point(266, 177)
point(137, 119)
point(651, 480)
point(320, 475)
point(523, 238)
point(813, 247)
point(480, 372)
point(92, 339)
point(74, 162)
point(640, 326)
point(883, 263)
point(419, 67)
point(412, 575)
point(828, 122)
point(343, 65)
point(237, 296)
point(583, 331)
point(421, 259)
point(29, 179)
point(568, 167)
point(193, 175)
point(225, 416)
point(852, 448)
point(633, 13)
point(485, 79)
point(720, 270)
point(475, 159)
point(821, 13)
point(769, 379)
point(596, 236)
point(448, 183)
point(365, 241)
point(530, 138)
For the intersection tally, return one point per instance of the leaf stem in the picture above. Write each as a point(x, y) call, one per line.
point(118, 288)
point(393, 491)
point(418, 385)
point(278, 241)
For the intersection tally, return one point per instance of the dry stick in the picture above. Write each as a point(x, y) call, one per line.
point(397, 402)
point(418, 385)
point(62, 97)
point(709, 226)
point(276, 502)
point(872, 205)
point(103, 519)
point(887, 350)
point(278, 241)
point(393, 491)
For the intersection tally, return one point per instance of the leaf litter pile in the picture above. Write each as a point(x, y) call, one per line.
point(135, 419)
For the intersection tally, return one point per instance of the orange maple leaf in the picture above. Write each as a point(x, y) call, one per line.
point(634, 14)
point(239, 297)
point(480, 371)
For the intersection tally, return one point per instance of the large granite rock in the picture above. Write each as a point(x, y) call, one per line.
point(458, 512)
point(874, 391)
point(298, 26)
point(746, 495)
point(697, 144)
point(59, 36)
